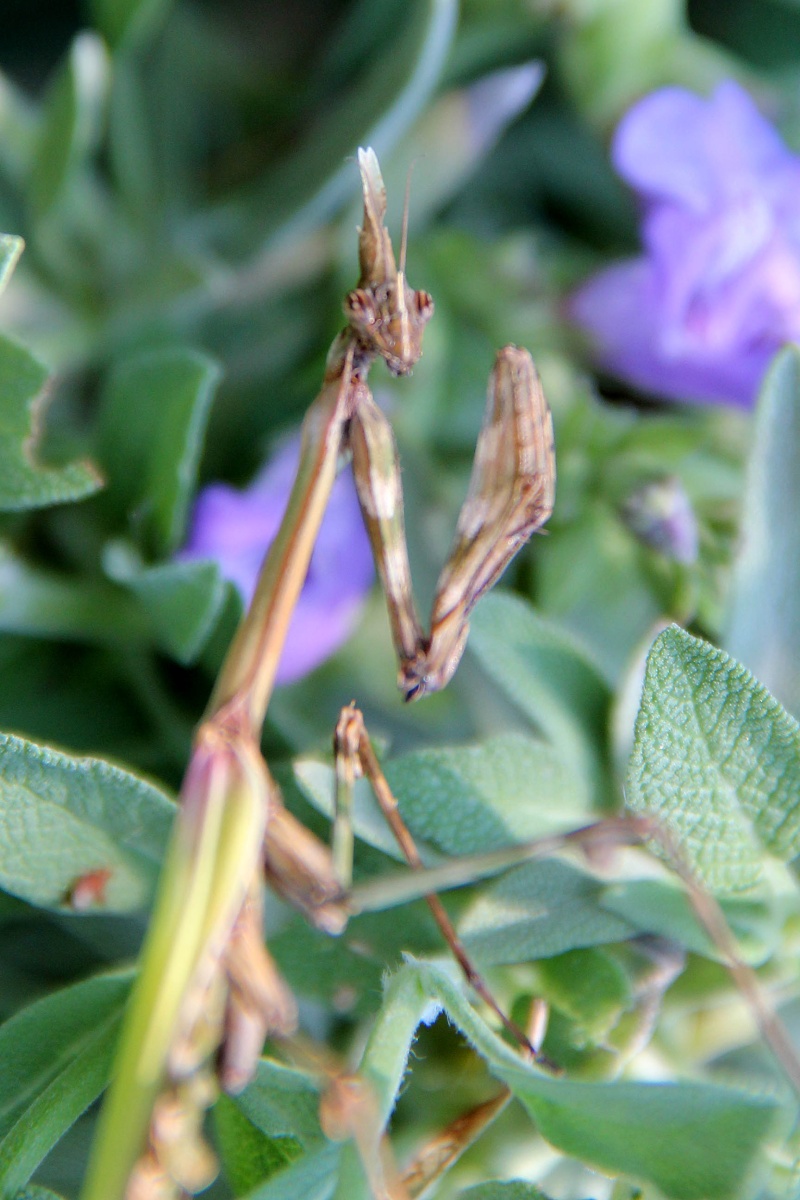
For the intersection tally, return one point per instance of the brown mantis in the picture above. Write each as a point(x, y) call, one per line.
point(207, 985)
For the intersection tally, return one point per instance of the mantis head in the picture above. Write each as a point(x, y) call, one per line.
point(387, 315)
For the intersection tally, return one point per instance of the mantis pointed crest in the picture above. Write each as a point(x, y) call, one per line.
point(387, 316)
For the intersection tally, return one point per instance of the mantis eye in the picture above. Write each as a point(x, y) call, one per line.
point(360, 307)
point(424, 303)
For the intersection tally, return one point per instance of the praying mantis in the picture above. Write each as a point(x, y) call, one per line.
point(208, 992)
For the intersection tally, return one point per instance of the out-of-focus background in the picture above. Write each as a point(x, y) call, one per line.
point(183, 176)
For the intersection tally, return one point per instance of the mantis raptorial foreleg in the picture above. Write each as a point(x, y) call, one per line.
point(355, 756)
point(510, 496)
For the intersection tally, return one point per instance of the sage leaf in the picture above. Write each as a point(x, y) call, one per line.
point(763, 618)
point(63, 818)
point(550, 679)
point(152, 423)
point(717, 759)
point(24, 481)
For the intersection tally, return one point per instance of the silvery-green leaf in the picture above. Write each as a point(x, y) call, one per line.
point(550, 679)
point(717, 759)
point(763, 618)
point(24, 481)
point(64, 817)
point(152, 424)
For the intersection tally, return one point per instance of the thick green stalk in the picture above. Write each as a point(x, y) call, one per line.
point(212, 856)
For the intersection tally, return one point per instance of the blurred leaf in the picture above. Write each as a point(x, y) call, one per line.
point(656, 907)
point(765, 33)
point(150, 437)
point(717, 759)
point(19, 127)
point(249, 1155)
point(376, 110)
point(127, 20)
point(56, 1057)
point(514, 1189)
point(763, 620)
point(537, 910)
point(183, 601)
point(11, 248)
point(283, 1104)
point(344, 974)
point(283, 1101)
point(25, 483)
point(465, 799)
point(550, 679)
point(57, 605)
point(592, 579)
point(693, 1141)
point(36, 1193)
point(614, 52)
point(71, 120)
point(63, 818)
point(313, 1177)
point(589, 986)
point(130, 140)
point(317, 781)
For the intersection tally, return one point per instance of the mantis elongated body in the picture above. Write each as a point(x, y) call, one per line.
point(208, 992)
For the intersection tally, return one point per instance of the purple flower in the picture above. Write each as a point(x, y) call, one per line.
point(235, 528)
point(661, 515)
point(699, 315)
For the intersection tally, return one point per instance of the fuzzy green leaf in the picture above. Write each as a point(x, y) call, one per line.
point(24, 482)
point(763, 621)
point(183, 602)
point(693, 1141)
point(56, 1057)
point(152, 425)
point(465, 799)
point(65, 817)
point(536, 910)
point(717, 759)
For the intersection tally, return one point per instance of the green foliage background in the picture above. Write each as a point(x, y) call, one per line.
point(181, 174)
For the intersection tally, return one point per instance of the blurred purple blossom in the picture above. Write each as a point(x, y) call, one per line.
point(699, 315)
point(661, 515)
point(235, 528)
